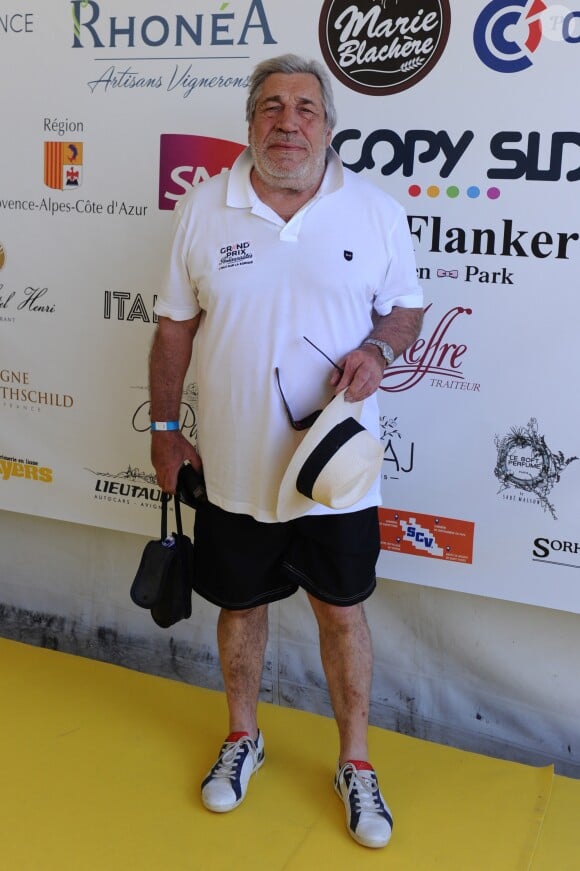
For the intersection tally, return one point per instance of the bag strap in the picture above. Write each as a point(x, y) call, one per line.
point(165, 497)
point(177, 506)
point(165, 500)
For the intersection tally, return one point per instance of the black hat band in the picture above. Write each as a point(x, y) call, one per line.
point(338, 436)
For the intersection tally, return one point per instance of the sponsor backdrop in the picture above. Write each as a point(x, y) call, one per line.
point(114, 108)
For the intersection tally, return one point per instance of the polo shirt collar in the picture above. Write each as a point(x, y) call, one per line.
point(241, 194)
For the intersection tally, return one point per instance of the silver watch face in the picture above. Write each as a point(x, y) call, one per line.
point(388, 353)
point(386, 350)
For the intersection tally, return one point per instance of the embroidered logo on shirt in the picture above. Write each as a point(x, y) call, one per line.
point(236, 254)
point(347, 255)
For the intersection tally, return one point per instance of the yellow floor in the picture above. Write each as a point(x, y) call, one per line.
point(101, 769)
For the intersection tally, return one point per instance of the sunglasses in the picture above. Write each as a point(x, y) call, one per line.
point(307, 421)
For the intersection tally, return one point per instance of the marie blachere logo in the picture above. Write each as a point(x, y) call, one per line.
point(526, 463)
point(381, 47)
point(63, 165)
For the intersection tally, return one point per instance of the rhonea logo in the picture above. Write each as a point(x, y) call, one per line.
point(185, 160)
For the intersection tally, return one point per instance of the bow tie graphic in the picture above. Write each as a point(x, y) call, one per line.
point(447, 273)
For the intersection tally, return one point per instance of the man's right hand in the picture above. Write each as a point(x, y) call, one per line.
point(169, 450)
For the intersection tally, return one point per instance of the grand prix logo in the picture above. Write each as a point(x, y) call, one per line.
point(507, 33)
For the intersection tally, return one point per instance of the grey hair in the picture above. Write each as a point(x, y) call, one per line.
point(289, 64)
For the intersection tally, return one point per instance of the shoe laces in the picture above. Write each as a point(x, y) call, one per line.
point(229, 757)
point(364, 786)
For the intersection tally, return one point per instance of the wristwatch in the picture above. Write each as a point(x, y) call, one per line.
point(385, 349)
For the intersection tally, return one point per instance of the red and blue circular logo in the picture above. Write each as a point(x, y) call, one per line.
point(507, 33)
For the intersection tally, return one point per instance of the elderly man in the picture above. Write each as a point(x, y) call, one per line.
point(289, 245)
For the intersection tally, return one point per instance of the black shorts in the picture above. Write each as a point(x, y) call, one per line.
point(240, 562)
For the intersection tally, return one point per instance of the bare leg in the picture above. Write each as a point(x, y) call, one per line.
point(346, 652)
point(242, 637)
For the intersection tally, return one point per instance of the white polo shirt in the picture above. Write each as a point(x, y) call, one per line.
point(262, 285)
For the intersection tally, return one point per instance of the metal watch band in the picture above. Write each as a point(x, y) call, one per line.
point(385, 349)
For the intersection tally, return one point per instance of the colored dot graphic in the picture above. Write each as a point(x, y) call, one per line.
point(473, 192)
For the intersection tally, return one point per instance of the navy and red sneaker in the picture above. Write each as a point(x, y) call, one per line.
point(226, 783)
point(368, 818)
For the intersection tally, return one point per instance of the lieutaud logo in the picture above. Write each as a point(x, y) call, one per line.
point(381, 47)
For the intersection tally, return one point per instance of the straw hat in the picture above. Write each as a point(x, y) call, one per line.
point(335, 464)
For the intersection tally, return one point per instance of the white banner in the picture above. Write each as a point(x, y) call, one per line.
point(112, 110)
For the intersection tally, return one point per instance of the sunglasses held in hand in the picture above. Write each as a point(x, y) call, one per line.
point(307, 421)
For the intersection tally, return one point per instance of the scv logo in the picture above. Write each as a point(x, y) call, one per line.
point(422, 539)
point(507, 33)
